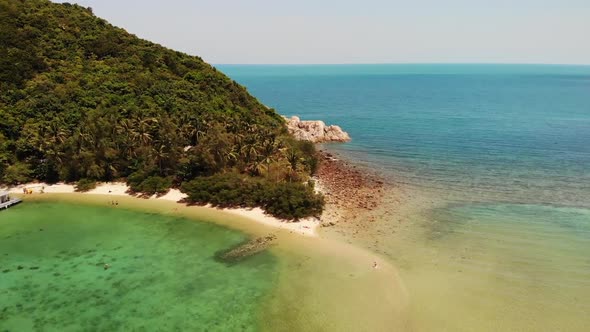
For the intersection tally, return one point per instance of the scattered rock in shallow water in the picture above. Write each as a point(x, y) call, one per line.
point(34, 268)
point(5, 271)
point(20, 267)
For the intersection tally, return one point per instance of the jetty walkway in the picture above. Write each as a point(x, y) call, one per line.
point(7, 201)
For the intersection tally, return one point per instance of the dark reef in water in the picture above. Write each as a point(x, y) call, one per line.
point(245, 249)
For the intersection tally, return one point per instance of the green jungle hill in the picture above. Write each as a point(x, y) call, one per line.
point(82, 101)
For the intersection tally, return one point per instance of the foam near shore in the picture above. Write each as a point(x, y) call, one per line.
point(305, 227)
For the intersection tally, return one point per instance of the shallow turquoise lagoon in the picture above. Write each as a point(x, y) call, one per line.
point(163, 273)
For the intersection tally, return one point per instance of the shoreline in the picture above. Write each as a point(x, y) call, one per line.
point(305, 227)
point(320, 267)
point(351, 195)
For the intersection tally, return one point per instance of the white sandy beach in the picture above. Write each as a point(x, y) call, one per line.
point(305, 227)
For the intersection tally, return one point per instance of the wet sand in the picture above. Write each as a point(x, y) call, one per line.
point(463, 269)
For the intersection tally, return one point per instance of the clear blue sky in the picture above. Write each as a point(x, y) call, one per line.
point(367, 31)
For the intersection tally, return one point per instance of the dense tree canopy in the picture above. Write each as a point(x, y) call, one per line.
point(82, 99)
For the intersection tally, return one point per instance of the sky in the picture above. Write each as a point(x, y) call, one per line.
point(360, 31)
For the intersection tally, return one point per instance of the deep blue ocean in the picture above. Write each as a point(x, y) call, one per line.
point(510, 130)
point(506, 148)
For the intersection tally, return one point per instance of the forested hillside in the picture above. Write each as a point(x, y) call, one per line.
point(82, 100)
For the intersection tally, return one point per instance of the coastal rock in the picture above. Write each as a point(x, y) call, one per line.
point(353, 196)
point(315, 131)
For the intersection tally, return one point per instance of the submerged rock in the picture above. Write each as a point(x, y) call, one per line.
point(316, 131)
point(246, 249)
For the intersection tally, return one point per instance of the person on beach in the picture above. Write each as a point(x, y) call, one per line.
point(375, 265)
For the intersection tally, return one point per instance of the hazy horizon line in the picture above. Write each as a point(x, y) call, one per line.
point(403, 63)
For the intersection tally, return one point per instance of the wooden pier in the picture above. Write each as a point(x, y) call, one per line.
point(6, 201)
point(10, 203)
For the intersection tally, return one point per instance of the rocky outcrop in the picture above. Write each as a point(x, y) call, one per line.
point(315, 131)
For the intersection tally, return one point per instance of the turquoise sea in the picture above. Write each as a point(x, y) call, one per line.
point(494, 160)
point(162, 275)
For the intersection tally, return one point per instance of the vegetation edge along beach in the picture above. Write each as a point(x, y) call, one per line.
point(112, 192)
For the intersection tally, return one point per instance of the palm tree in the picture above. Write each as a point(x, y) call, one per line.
point(56, 133)
point(249, 152)
point(161, 154)
point(127, 130)
point(293, 160)
point(54, 141)
point(144, 127)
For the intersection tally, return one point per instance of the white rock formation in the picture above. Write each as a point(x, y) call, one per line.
point(315, 131)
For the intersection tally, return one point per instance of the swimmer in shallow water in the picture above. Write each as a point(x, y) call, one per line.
point(107, 266)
